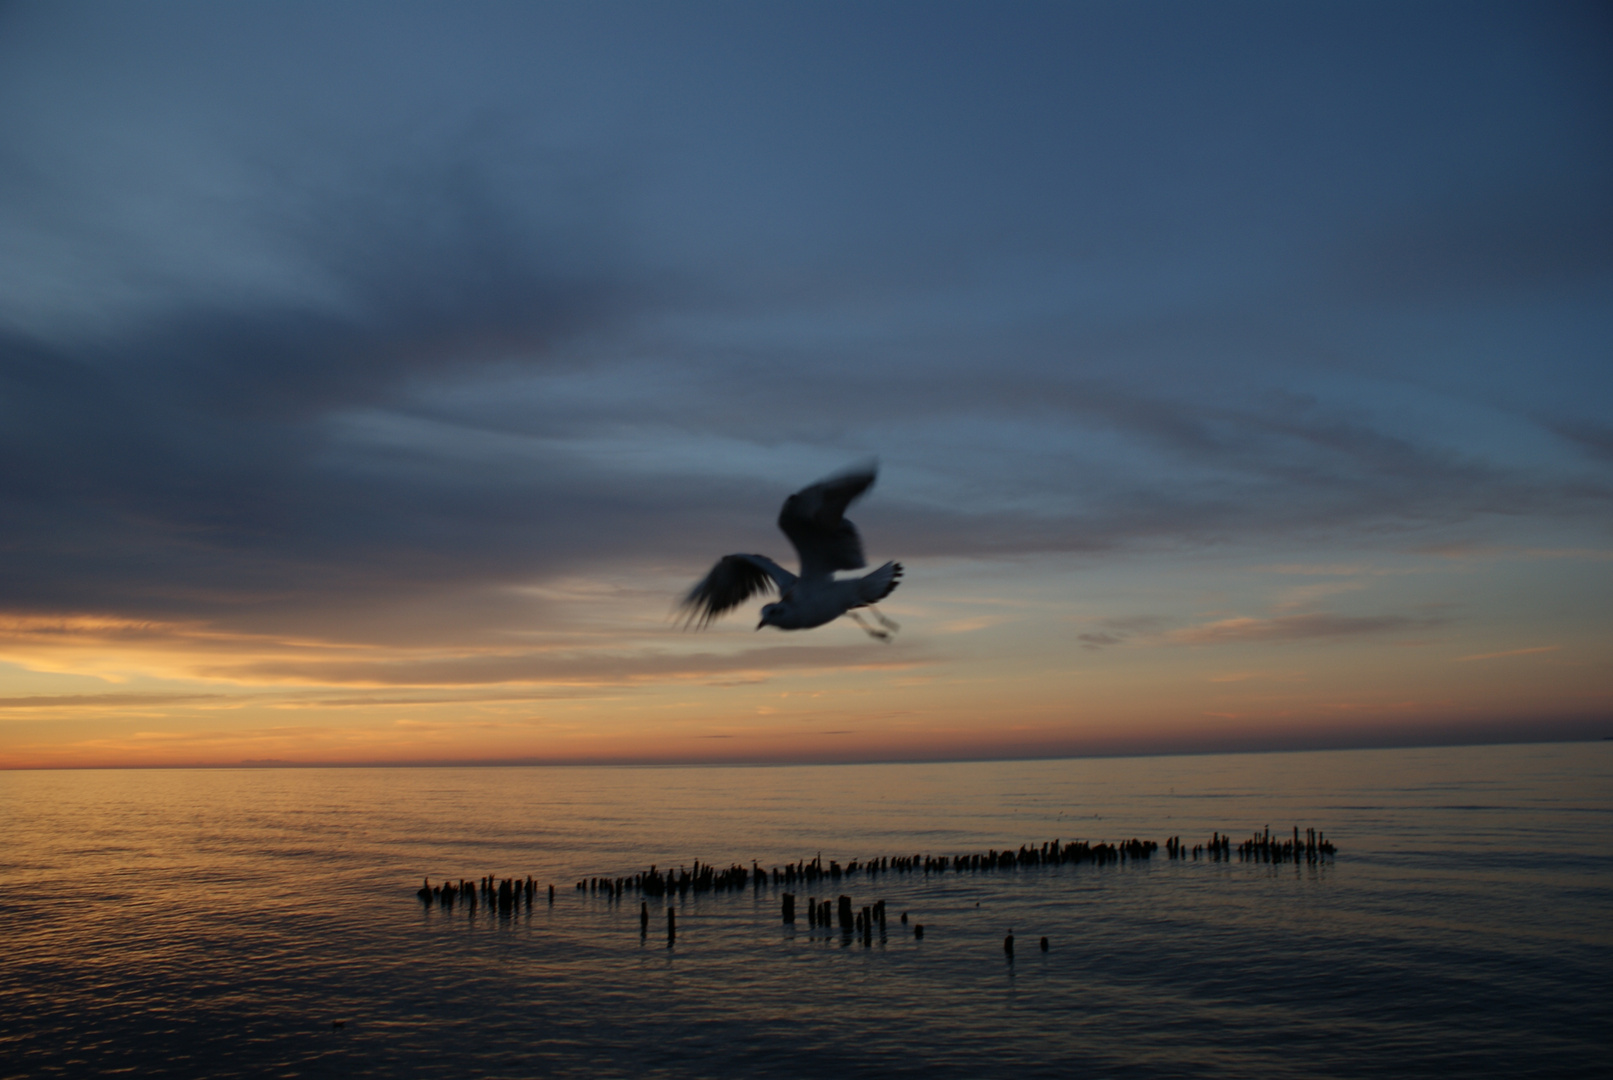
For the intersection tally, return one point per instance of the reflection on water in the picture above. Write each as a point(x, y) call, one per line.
point(218, 922)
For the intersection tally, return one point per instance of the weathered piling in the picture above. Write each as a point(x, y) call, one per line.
point(671, 926)
point(918, 931)
point(508, 894)
point(1008, 945)
point(1262, 848)
point(644, 918)
point(1044, 944)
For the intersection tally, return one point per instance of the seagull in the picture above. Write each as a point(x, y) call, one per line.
point(814, 520)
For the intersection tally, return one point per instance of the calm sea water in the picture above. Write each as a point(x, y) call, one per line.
point(216, 923)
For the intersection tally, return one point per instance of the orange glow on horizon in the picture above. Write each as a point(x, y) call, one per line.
point(1036, 664)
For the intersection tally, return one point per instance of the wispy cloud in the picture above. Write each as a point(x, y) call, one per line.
point(1121, 628)
point(971, 624)
point(102, 701)
point(1308, 627)
point(1302, 596)
point(1242, 629)
point(1338, 569)
point(1261, 676)
point(1536, 650)
point(1477, 552)
point(602, 667)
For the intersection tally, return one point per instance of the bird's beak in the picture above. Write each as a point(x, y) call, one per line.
point(761, 624)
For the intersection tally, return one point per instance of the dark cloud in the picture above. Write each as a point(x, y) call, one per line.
point(298, 324)
point(1594, 438)
point(1521, 243)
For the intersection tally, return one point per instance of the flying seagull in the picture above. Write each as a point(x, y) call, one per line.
point(814, 520)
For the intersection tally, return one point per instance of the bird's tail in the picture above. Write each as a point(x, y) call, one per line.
point(874, 587)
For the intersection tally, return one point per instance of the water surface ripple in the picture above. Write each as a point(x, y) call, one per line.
point(216, 922)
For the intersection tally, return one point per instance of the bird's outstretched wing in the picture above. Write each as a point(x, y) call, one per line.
point(734, 580)
point(813, 518)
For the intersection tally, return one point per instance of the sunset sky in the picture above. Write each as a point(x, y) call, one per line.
point(374, 378)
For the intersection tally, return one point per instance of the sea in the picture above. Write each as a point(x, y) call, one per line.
point(265, 922)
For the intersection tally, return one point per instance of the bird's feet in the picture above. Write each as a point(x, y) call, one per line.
point(886, 635)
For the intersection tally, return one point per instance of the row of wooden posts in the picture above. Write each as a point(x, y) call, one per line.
point(852, 920)
point(506, 895)
point(1313, 847)
point(510, 893)
point(702, 878)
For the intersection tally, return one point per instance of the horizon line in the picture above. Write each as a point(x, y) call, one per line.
point(1321, 746)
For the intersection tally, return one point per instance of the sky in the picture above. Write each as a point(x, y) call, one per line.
point(374, 378)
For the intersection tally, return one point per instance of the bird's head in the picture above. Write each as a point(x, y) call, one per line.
point(770, 615)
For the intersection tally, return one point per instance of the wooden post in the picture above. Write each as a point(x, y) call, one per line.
point(789, 907)
point(671, 926)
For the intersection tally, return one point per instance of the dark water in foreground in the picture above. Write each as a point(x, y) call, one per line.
point(215, 923)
